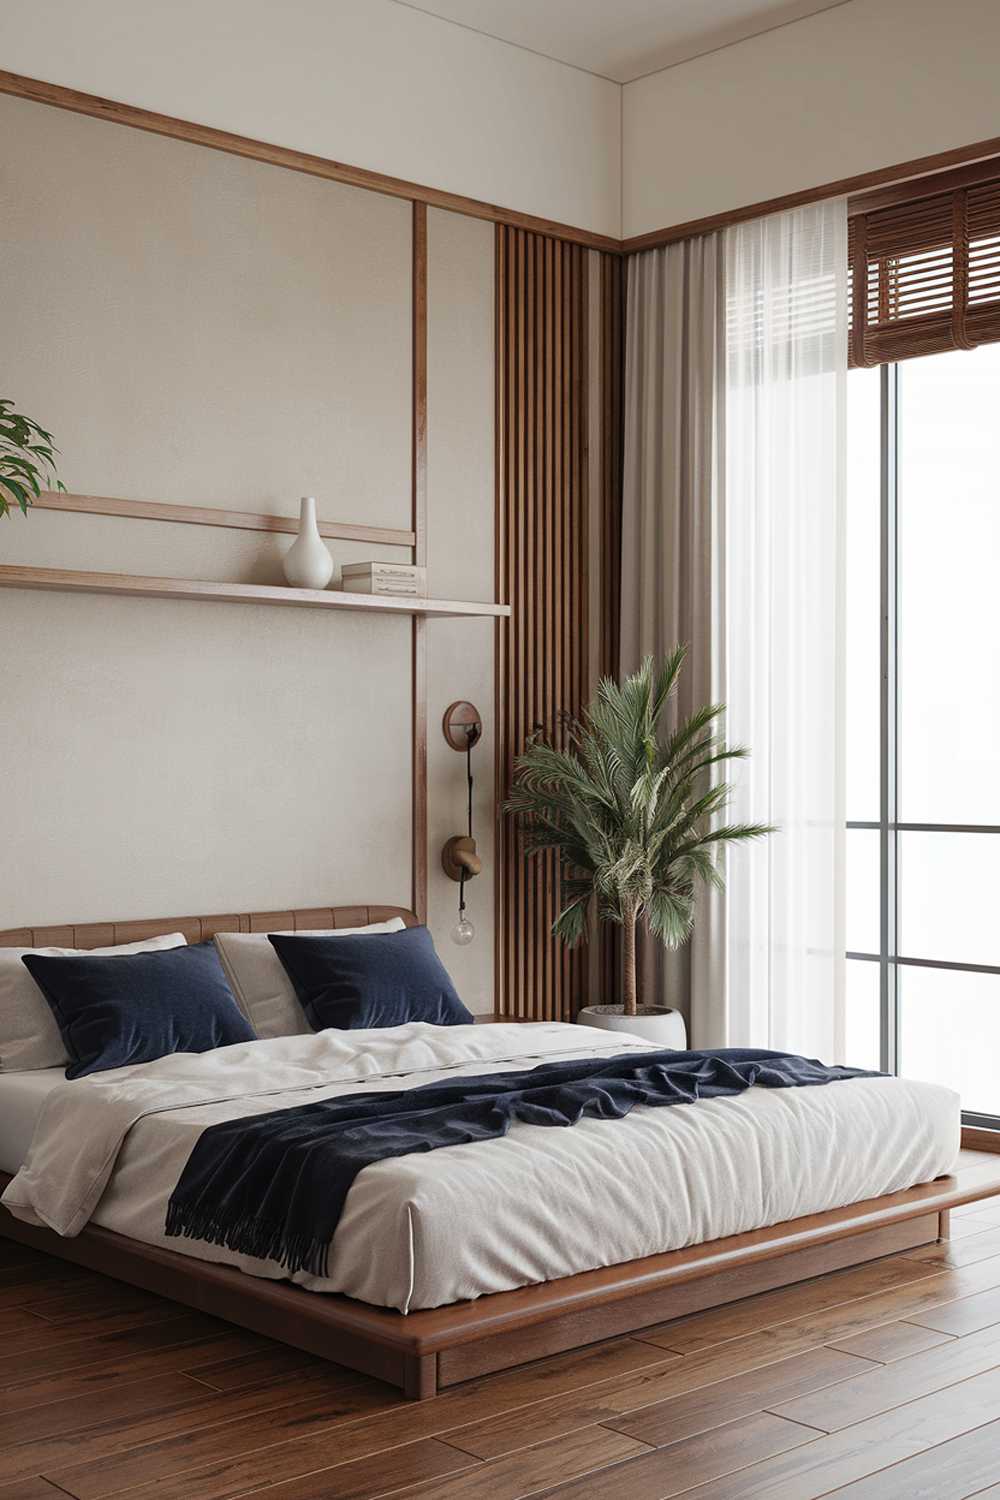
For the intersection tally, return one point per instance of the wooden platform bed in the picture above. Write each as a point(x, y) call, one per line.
point(426, 1352)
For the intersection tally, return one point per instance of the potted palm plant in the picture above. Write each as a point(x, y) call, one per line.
point(27, 459)
point(632, 810)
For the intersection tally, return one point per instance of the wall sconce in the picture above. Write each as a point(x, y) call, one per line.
point(463, 728)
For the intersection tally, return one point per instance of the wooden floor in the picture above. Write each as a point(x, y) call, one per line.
point(879, 1383)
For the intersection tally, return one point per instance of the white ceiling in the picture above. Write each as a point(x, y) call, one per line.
point(621, 39)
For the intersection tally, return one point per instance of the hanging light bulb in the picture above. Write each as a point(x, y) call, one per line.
point(463, 932)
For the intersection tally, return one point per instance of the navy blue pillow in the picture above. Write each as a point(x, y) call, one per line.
point(137, 1007)
point(373, 979)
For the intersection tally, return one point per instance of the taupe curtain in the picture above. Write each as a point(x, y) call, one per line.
point(672, 544)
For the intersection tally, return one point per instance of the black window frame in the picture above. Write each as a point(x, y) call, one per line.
point(888, 826)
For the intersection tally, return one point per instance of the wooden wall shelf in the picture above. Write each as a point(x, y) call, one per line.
point(134, 586)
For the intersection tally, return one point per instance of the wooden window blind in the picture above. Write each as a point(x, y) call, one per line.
point(925, 267)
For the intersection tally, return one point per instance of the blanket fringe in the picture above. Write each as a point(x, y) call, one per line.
point(261, 1238)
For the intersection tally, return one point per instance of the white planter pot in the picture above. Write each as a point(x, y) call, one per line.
point(654, 1023)
point(307, 563)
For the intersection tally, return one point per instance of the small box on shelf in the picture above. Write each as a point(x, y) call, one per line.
point(384, 578)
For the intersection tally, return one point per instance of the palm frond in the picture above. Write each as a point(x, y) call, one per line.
point(666, 679)
point(631, 809)
point(670, 915)
point(735, 833)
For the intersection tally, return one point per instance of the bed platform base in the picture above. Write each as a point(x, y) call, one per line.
point(426, 1352)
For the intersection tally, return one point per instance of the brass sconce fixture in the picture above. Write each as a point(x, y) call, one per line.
point(463, 729)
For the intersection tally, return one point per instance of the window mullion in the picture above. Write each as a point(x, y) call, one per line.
point(889, 718)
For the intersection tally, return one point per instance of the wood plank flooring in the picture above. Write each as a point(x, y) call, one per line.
point(877, 1383)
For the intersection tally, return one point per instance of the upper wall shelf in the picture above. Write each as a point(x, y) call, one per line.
point(134, 586)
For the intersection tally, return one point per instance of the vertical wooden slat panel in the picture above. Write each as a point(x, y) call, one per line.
point(520, 521)
point(419, 525)
point(542, 394)
point(569, 484)
point(530, 611)
point(562, 536)
point(500, 639)
point(531, 569)
point(613, 309)
point(527, 965)
point(550, 643)
point(612, 398)
point(516, 523)
point(581, 523)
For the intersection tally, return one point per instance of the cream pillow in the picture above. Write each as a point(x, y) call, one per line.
point(260, 984)
point(29, 1036)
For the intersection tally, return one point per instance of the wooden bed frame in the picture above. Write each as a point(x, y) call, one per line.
point(426, 1352)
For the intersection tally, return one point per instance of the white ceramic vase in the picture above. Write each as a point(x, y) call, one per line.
point(657, 1024)
point(307, 563)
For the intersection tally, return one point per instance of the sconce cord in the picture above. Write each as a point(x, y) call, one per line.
point(469, 742)
point(468, 768)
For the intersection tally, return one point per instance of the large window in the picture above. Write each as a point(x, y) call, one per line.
point(923, 722)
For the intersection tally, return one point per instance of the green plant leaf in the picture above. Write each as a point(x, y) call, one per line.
point(17, 490)
point(630, 806)
point(27, 458)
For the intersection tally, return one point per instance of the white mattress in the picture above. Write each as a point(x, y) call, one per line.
point(22, 1096)
point(426, 1229)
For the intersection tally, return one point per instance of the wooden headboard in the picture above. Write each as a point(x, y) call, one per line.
point(198, 929)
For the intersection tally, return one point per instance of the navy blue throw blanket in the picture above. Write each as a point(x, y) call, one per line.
point(274, 1185)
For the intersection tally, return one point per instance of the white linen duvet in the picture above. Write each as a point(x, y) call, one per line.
point(428, 1229)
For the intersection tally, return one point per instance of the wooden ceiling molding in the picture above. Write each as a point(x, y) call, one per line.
point(903, 173)
point(284, 156)
point(79, 102)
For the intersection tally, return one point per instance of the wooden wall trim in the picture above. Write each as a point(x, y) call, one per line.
point(912, 189)
point(207, 515)
point(502, 358)
point(117, 113)
point(78, 102)
point(918, 166)
point(419, 429)
point(418, 522)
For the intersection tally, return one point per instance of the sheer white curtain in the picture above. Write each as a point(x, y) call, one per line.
point(786, 367)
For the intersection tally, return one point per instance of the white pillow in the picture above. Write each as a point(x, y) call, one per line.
point(29, 1036)
point(260, 984)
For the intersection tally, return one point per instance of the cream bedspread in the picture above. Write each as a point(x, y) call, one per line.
point(428, 1229)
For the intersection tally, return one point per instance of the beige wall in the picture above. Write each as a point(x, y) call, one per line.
point(862, 86)
point(367, 82)
point(200, 329)
point(460, 505)
point(216, 331)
